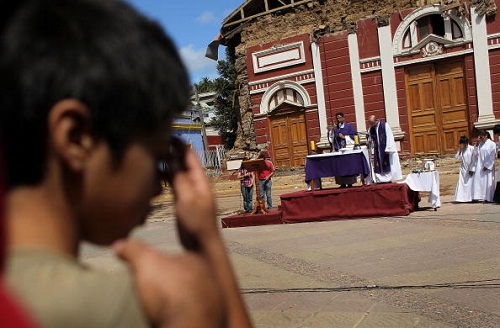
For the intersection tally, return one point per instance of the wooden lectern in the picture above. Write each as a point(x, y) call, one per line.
point(256, 165)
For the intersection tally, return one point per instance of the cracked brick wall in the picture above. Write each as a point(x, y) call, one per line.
point(332, 16)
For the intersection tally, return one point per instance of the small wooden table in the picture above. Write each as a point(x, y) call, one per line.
point(426, 181)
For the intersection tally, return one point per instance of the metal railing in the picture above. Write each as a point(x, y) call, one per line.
point(212, 160)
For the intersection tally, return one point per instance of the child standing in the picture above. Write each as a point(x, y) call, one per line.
point(463, 191)
point(246, 185)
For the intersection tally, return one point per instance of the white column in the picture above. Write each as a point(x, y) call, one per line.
point(320, 94)
point(482, 71)
point(357, 85)
point(389, 80)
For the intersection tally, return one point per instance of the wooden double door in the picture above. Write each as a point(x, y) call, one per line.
point(437, 107)
point(289, 138)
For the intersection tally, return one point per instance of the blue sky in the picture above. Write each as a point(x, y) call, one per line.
point(192, 24)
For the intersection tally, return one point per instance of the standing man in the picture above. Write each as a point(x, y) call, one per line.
point(343, 134)
point(265, 183)
point(483, 185)
point(385, 156)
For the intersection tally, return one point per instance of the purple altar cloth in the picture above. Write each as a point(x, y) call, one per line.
point(320, 166)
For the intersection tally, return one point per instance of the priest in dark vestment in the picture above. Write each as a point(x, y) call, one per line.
point(343, 133)
point(342, 136)
point(385, 156)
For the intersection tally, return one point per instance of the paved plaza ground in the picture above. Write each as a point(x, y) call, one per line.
point(429, 269)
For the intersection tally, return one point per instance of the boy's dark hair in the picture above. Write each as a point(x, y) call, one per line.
point(103, 53)
point(463, 140)
point(496, 129)
point(339, 114)
point(264, 154)
point(484, 133)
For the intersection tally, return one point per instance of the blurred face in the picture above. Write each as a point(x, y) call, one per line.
point(116, 196)
point(372, 122)
point(340, 119)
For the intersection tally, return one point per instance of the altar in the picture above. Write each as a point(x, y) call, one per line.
point(345, 163)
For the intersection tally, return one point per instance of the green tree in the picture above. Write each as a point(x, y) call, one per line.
point(226, 104)
point(226, 119)
point(205, 85)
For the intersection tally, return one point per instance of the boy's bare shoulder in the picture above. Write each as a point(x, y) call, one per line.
point(64, 293)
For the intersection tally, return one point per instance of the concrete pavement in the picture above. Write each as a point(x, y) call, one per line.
point(428, 269)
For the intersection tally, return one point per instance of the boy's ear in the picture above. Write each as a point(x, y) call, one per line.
point(69, 132)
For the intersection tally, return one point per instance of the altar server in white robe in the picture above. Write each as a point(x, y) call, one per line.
point(385, 157)
point(496, 132)
point(483, 186)
point(463, 191)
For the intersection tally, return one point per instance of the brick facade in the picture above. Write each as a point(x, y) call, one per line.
point(326, 70)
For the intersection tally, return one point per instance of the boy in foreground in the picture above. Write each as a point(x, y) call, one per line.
point(88, 92)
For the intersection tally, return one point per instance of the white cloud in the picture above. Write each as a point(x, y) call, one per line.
point(197, 64)
point(207, 17)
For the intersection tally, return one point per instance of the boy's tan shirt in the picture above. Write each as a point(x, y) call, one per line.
point(61, 292)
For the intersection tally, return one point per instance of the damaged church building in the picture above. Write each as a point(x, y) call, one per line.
point(431, 69)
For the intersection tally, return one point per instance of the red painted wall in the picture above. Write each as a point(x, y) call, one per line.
point(493, 24)
point(337, 78)
point(287, 70)
point(373, 94)
point(368, 38)
point(495, 80)
point(214, 141)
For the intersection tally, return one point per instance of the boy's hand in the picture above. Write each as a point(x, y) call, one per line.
point(195, 209)
point(175, 291)
point(194, 203)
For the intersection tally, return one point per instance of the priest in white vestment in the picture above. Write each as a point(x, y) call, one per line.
point(483, 186)
point(463, 191)
point(385, 157)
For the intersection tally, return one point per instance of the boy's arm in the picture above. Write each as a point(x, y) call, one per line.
point(175, 291)
point(197, 288)
point(271, 168)
point(196, 218)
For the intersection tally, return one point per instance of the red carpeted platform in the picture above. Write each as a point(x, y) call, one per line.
point(245, 220)
point(392, 199)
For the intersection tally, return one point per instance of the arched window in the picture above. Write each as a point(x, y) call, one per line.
point(430, 24)
point(286, 95)
point(456, 31)
point(430, 21)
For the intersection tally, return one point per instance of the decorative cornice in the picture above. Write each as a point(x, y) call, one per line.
point(432, 49)
point(486, 122)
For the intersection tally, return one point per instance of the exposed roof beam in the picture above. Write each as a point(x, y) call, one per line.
point(239, 16)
